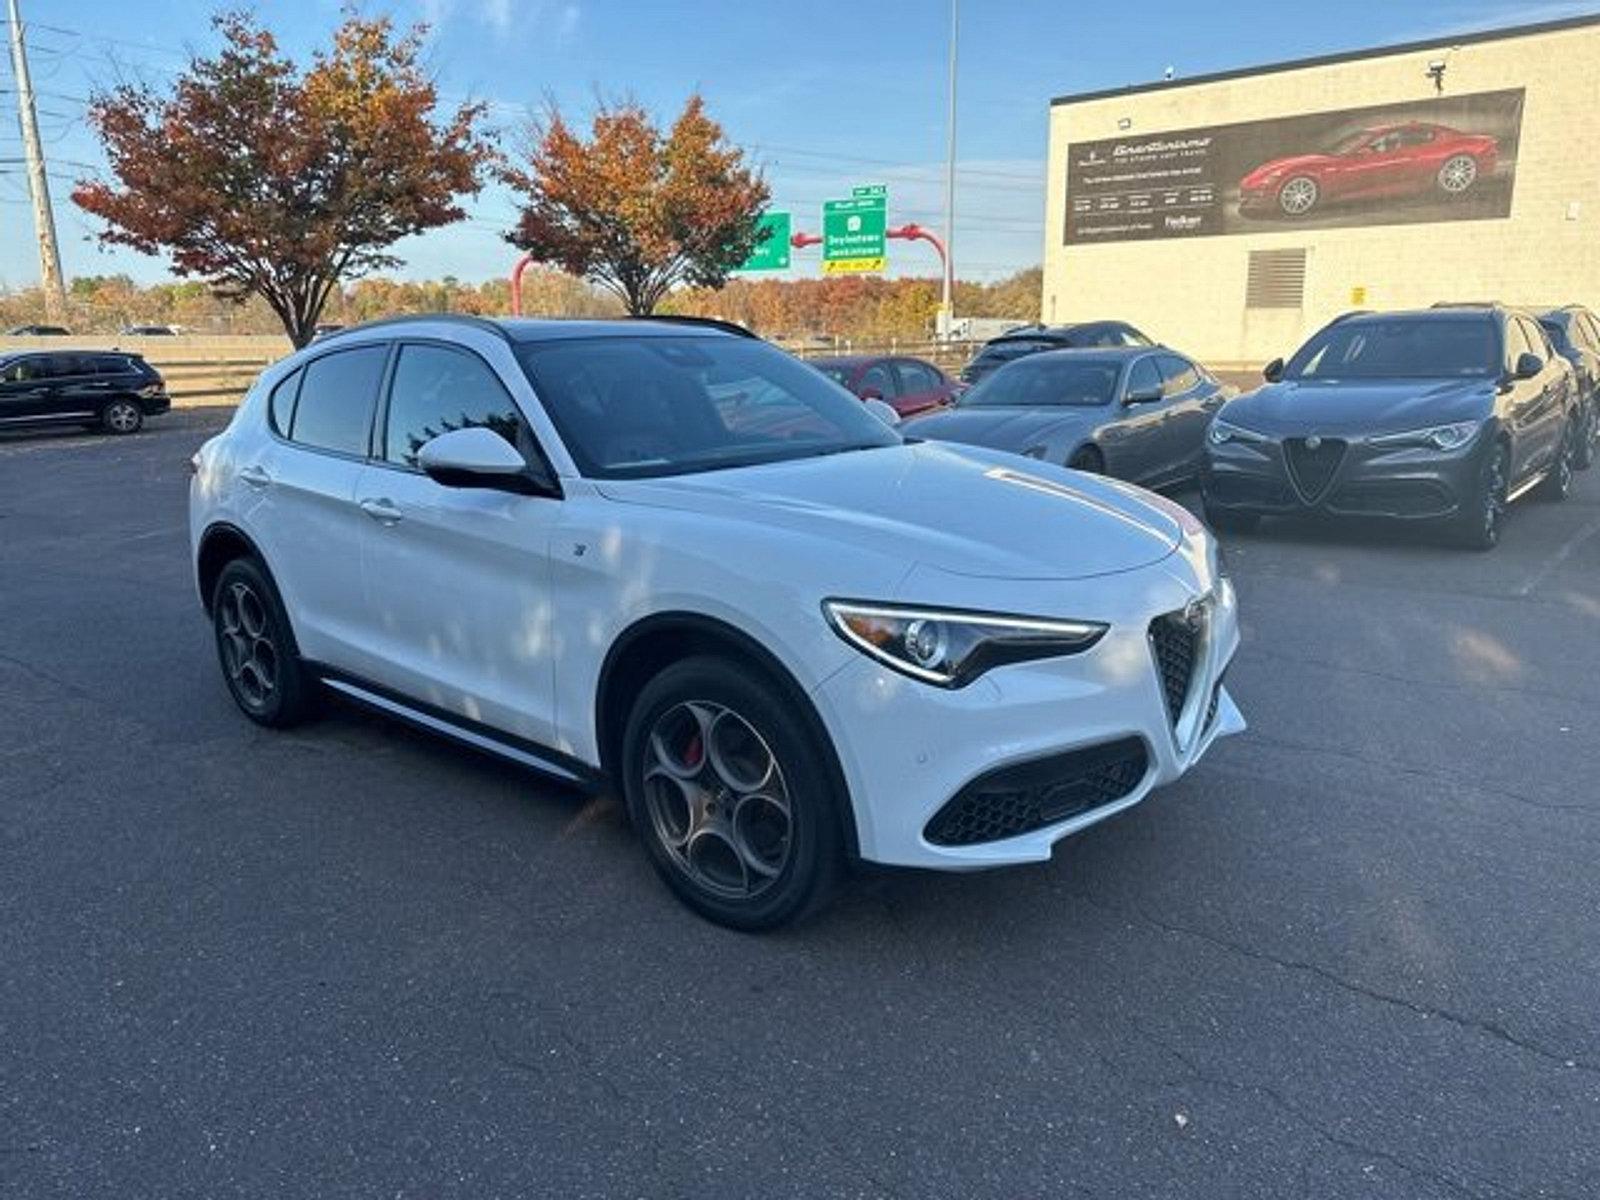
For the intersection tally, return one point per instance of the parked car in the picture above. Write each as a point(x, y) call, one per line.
point(1574, 331)
point(908, 385)
point(39, 331)
point(1137, 414)
point(543, 538)
point(149, 331)
point(1033, 338)
point(1410, 159)
point(1444, 416)
point(111, 390)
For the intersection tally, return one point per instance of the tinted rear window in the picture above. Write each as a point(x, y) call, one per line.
point(337, 394)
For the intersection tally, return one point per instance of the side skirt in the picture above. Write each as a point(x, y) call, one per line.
point(461, 729)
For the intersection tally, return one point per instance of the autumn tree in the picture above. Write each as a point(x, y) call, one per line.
point(264, 179)
point(636, 211)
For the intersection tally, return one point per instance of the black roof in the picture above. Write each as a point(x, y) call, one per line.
point(1323, 60)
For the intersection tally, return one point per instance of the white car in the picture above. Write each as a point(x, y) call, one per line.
point(669, 557)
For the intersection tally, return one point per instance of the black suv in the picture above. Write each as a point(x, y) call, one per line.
point(1031, 339)
point(1575, 333)
point(1445, 415)
point(109, 390)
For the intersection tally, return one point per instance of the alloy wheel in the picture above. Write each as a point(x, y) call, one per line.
point(717, 800)
point(248, 653)
point(1458, 174)
point(123, 417)
point(1494, 504)
point(1298, 196)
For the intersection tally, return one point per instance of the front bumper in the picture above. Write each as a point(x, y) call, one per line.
point(911, 753)
point(1395, 483)
point(155, 405)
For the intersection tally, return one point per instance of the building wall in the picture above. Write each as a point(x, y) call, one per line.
point(1190, 292)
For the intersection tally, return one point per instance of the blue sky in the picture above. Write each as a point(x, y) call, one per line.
point(825, 94)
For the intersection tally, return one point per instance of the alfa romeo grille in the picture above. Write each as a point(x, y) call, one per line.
point(1175, 641)
point(1312, 463)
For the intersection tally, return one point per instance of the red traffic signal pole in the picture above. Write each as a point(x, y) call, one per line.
point(913, 233)
point(523, 264)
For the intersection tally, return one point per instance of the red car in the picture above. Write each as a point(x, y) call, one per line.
point(1388, 160)
point(910, 385)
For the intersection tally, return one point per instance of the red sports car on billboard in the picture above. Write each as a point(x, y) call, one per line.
point(1387, 160)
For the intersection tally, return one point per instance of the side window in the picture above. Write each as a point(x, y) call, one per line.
point(879, 377)
point(1417, 135)
point(1144, 377)
point(280, 405)
point(916, 377)
point(62, 366)
point(337, 394)
point(1177, 375)
point(436, 390)
point(109, 364)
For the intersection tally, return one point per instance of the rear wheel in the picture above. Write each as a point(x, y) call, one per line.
point(1458, 174)
point(122, 416)
point(256, 647)
point(724, 784)
point(1557, 485)
point(1483, 513)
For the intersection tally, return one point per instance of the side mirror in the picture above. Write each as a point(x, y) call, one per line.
point(480, 458)
point(1528, 365)
point(1144, 395)
point(1273, 371)
point(884, 411)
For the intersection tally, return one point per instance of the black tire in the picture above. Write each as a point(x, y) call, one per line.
point(122, 416)
point(1230, 520)
point(1557, 485)
point(1583, 457)
point(733, 855)
point(1483, 514)
point(1088, 459)
point(256, 648)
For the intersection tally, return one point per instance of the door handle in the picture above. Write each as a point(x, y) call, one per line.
point(382, 510)
point(255, 477)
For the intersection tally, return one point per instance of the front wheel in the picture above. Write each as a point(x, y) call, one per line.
point(1483, 513)
point(1298, 196)
point(122, 416)
point(1087, 458)
point(256, 647)
point(725, 785)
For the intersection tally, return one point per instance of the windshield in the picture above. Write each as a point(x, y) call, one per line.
point(1400, 348)
point(643, 407)
point(1351, 142)
point(1047, 381)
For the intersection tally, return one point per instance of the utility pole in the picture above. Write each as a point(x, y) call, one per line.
point(946, 298)
point(44, 220)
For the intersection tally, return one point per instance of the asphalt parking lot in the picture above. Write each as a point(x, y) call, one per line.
point(1355, 953)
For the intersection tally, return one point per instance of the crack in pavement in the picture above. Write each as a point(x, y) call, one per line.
point(1477, 1025)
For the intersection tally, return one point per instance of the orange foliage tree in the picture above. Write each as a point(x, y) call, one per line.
point(636, 211)
point(270, 181)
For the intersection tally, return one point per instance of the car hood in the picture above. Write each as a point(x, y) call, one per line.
point(965, 511)
point(1014, 429)
point(1370, 406)
point(1282, 166)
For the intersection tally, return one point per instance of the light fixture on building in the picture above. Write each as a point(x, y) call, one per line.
point(1124, 122)
point(1436, 70)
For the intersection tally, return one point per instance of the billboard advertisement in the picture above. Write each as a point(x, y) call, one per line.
point(1450, 158)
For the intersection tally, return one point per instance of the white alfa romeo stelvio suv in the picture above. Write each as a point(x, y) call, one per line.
point(668, 558)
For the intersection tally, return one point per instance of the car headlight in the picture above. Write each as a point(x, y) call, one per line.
point(951, 648)
point(1439, 437)
point(1222, 432)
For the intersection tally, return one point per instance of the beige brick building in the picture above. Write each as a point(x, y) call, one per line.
point(1465, 168)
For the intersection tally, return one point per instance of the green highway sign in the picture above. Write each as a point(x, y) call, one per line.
point(772, 251)
point(853, 231)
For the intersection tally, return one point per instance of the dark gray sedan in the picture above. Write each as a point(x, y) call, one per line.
point(1138, 413)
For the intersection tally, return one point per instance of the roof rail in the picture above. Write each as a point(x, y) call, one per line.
point(476, 322)
point(1466, 304)
point(732, 327)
